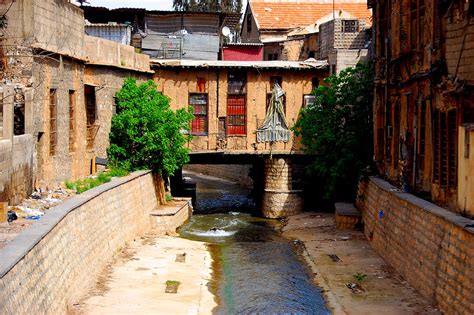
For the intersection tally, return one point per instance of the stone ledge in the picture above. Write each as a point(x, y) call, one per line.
point(20, 246)
point(281, 191)
point(449, 216)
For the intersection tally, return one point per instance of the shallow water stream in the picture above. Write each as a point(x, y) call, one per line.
point(257, 271)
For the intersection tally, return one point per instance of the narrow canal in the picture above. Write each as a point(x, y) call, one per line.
point(256, 270)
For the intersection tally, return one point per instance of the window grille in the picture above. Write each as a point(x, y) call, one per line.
point(199, 103)
point(53, 123)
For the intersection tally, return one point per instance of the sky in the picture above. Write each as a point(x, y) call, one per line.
point(145, 4)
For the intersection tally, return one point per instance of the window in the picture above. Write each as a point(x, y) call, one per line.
point(199, 102)
point(273, 56)
point(1, 116)
point(350, 26)
point(314, 83)
point(201, 85)
point(445, 149)
point(249, 23)
point(273, 80)
point(236, 104)
point(91, 115)
point(19, 113)
point(308, 100)
point(72, 122)
point(53, 124)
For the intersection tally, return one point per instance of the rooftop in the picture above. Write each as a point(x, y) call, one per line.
point(290, 14)
point(277, 64)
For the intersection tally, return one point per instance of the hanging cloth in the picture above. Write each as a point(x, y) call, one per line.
point(274, 127)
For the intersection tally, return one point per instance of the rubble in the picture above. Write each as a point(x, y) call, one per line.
point(30, 209)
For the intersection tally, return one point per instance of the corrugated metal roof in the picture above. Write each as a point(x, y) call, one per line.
point(243, 44)
point(277, 64)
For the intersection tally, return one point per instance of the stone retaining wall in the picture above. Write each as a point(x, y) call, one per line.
point(431, 247)
point(57, 259)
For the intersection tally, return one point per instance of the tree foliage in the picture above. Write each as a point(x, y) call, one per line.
point(146, 133)
point(208, 5)
point(337, 130)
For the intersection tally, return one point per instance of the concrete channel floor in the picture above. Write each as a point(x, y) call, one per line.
point(385, 292)
point(135, 282)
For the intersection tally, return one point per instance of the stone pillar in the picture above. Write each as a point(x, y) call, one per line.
point(279, 197)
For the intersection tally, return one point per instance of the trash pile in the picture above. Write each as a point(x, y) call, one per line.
point(40, 201)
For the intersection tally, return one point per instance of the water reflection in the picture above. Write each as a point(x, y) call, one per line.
point(260, 272)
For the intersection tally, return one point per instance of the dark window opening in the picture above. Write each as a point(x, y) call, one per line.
point(72, 120)
point(314, 83)
point(199, 103)
point(422, 136)
point(19, 113)
point(53, 123)
point(445, 149)
point(350, 26)
point(273, 56)
point(249, 23)
point(311, 54)
point(91, 115)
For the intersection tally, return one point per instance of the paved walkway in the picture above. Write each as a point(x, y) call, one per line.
point(135, 282)
point(385, 292)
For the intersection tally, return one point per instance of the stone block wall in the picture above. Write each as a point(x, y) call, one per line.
point(280, 199)
point(460, 43)
point(238, 173)
point(56, 260)
point(431, 247)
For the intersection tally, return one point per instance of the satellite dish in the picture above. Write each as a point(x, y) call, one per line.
point(225, 31)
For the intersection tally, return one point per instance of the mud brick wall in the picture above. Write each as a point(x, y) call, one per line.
point(233, 172)
point(16, 168)
point(429, 246)
point(56, 260)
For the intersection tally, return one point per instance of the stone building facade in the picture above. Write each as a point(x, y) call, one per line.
point(343, 43)
point(424, 98)
point(62, 101)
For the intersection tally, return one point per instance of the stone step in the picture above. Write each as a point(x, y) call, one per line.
point(347, 216)
point(167, 218)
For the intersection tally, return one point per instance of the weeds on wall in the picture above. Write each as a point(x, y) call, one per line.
point(337, 131)
point(85, 184)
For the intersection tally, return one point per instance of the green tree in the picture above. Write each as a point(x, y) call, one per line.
point(208, 5)
point(146, 133)
point(337, 131)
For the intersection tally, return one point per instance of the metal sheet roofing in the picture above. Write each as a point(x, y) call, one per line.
point(277, 64)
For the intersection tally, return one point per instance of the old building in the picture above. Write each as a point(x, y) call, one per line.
point(289, 29)
point(58, 87)
point(424, 99)
point(343, 42)
point(230, 101)
point(169, 34)
point(418, 212)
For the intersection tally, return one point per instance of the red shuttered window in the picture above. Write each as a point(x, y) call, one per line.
point(236, 104)
point(199, 103)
